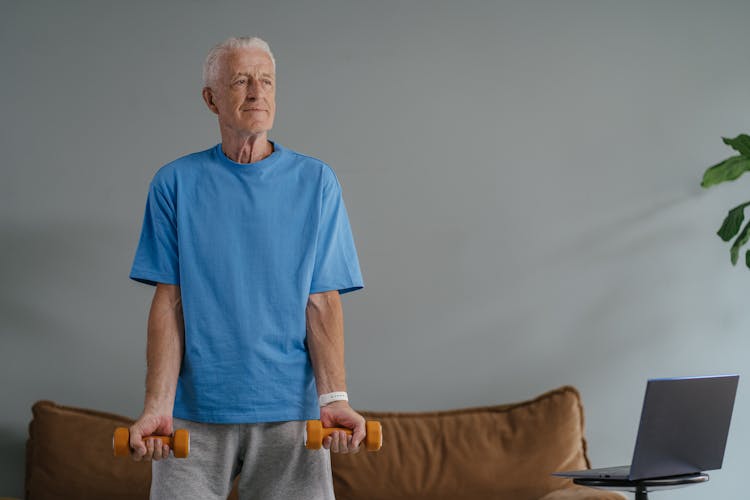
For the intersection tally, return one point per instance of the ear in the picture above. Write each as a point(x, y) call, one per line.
point(208, 98)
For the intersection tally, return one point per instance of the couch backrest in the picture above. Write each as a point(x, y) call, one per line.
point(69, 455)
point(491, 452)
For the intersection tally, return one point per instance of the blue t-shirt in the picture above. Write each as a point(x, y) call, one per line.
point(247, 243)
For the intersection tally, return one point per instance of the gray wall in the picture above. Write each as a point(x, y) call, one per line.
point(522, 180)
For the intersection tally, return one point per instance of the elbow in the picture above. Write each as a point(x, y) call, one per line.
point(323, 300)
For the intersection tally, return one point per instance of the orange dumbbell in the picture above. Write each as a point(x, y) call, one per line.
point(179, 442)
point(315, 433)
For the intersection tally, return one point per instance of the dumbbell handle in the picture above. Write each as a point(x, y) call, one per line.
point(168, 440)
point(327, 431)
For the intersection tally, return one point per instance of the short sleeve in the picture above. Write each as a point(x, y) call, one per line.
point(156, 257)
point(336, 261)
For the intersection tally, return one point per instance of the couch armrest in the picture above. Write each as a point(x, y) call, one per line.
point(582, 493)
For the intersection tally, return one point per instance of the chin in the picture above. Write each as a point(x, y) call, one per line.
point(251, 130)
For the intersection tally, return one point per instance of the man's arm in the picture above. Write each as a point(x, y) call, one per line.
point(165, 348)
point(325, 339)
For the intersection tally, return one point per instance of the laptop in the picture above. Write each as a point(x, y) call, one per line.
point(683, 429)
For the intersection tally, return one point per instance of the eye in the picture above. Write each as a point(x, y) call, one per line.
point(268, 82)
point(242, 81)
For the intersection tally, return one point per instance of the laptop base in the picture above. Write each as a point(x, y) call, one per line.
point(621, 472)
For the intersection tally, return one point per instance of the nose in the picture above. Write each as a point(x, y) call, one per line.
point(253, 90)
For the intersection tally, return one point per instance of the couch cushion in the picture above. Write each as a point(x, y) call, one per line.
point(69, 455)
point(491, 452)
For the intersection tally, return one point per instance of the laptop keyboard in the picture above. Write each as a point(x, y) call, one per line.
point(621, 470)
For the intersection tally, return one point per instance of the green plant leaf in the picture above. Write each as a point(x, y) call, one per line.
point(747, 258)
point(741, 240)
point(727, 170)
point(732, 222)
point(741, 144)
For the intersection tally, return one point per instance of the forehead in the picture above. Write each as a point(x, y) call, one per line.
point(253, 61)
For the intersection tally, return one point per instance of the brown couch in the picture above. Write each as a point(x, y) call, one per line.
point(492, 452)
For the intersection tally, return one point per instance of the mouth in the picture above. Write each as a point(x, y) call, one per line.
point(254, 110)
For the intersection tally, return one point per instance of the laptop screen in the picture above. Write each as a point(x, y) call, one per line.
point(684, 425)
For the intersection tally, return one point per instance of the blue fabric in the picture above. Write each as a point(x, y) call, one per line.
point(247, 243)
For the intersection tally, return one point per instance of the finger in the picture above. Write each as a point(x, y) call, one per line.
point(157, 449)
point(163, 450)
point(149, 449)
point(327, 442)
point(354, 446)
point(136, 453)
point(344, 442)
point(335, 442)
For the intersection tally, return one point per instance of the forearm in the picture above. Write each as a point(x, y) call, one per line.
point(164, 352)
point(325, 339)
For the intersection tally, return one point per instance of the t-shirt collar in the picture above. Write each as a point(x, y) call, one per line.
point(263, 164)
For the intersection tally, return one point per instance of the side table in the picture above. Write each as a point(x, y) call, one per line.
point(642, 487)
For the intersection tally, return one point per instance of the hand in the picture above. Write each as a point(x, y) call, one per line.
point(340, 414)
point(149, 424)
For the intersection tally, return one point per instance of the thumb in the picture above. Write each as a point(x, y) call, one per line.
point(136, 439)
point(359, 433)
point(142, 428)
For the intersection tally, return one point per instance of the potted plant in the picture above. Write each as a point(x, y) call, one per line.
point(729, 170)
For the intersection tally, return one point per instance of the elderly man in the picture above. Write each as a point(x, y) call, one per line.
point(249, 246)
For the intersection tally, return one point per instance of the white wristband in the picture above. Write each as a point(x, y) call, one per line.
point(324, 399)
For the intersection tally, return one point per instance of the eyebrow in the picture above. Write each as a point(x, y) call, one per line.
point(250, 74)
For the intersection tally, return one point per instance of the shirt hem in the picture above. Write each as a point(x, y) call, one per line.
point(243, 418)
point(345, 288)
point(152, 278)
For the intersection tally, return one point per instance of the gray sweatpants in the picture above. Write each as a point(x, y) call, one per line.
point(270, 459)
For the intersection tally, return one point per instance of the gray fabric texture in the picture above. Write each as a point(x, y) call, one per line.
point(270, 459)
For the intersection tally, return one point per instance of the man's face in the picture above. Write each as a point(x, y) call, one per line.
point(245, 91)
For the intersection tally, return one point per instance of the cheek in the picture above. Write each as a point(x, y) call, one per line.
point(227, 105)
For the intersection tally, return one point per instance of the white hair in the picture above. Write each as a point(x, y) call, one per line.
point(211, 64)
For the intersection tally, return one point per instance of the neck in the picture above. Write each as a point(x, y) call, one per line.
point(246, 148)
